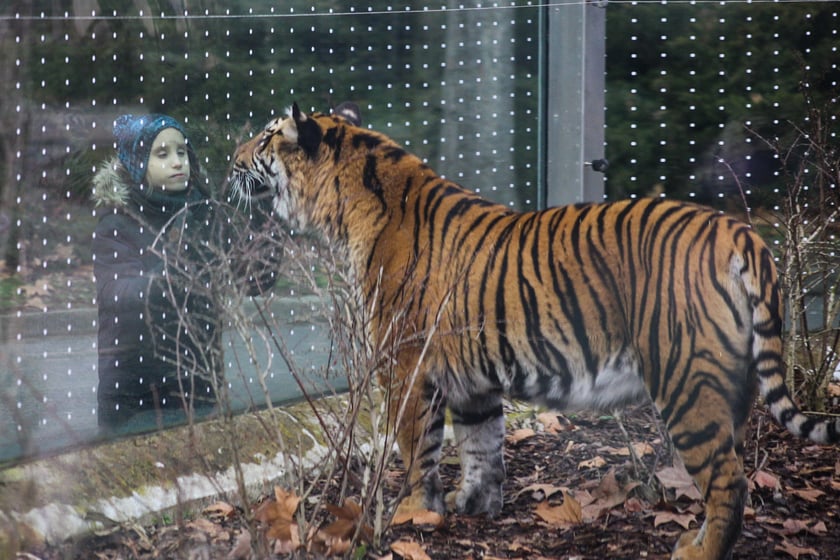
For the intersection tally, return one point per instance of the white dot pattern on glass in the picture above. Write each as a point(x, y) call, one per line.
point(693, 89)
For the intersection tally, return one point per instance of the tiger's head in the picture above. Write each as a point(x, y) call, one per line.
point(293, 159)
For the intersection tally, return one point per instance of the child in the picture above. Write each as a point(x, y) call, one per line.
point(159, 335)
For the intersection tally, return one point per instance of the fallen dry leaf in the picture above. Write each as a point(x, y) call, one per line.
point(640, 448)
point(553, 423)
point(608, 495)
point(279, 515)
point(764, 479)
point(594, 463)
point(325, 545)
point(541, 492)
point(282, 546)
point(584, 497)
point(519, 435)
point(35, 302)
point(242, 548)
point(634, 505)
point(678, 480)
point(410, 550)
point(794, 526)
point(807, 494)
point(62, 252)
point(518, 546)
point(212, 530)
point(816, 448)
point(790, 527)
point(349, 522)
point(202, 524)
point(220, 509)
point(794, 551)
point(684, 520)
point(608, 486)
point(37, 289)
point(419, 517)
point(818, 528)
point(568, 513)
point(471, 543)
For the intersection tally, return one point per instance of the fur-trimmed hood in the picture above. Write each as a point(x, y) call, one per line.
point(113, 187)
point(111, 184)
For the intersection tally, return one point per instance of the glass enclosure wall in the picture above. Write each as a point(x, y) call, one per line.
point(705, 101)
point(458, 85)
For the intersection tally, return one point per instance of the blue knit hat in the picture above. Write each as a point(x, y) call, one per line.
point(135, 135)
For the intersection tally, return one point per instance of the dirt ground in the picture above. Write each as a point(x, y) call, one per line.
point(571, 493)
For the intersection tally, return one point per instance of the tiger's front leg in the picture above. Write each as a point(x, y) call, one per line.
point(419, 414)
point(479, 427)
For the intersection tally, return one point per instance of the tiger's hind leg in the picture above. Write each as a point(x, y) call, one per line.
point(709, 443)
point(479, 427)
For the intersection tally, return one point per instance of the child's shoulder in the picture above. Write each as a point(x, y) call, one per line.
point(114, 221)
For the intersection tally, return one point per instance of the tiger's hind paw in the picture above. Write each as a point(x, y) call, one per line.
point(687, 547)
point(488, 502)
point(691, 547)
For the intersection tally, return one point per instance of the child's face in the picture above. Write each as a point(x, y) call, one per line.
point(169, 164)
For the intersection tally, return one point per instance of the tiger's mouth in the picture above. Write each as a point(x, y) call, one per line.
point(245, 185)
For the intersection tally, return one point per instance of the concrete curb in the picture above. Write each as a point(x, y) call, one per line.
point(32, 324)
point(36, 324)
point(139, 480)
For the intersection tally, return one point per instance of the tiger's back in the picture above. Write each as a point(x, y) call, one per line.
point(580, 306)
point(583, 306)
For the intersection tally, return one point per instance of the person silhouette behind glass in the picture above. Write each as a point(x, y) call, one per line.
point(159, 341)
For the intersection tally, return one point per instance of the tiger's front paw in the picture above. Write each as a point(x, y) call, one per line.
point(418, 503)
point(476, 501)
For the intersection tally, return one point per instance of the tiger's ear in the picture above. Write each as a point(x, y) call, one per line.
point(308, 132)
point(350, 112)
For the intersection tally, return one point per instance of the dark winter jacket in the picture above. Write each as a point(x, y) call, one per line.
point(156, 256)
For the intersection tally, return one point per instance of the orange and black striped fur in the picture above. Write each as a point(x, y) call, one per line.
point(585, 306)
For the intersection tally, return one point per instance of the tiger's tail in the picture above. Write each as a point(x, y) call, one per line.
point(762, 287)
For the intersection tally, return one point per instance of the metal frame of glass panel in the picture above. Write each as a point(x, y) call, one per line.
point(574, 61)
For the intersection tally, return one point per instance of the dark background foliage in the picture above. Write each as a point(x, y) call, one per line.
point(700, 98)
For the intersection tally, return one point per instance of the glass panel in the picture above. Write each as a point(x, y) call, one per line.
point(698, 92)
point(456, 83)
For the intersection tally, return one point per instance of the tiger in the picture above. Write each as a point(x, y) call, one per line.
point(588, 306)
